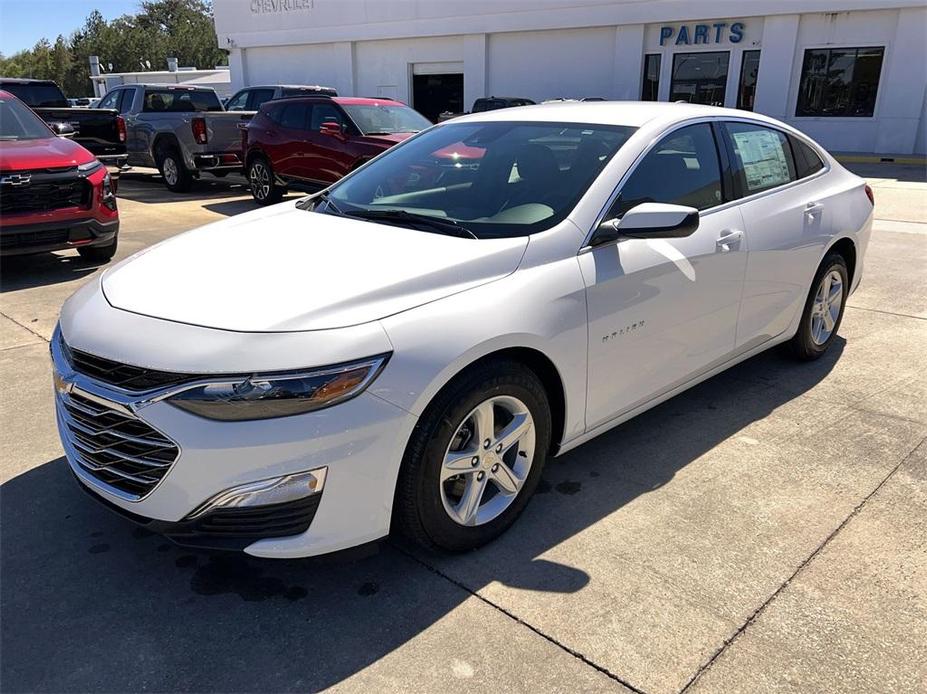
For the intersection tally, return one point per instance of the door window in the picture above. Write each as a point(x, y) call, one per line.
point(111, 100)
point(700, 78)
point(762, 157)
point(294, 116)
point(259, 97)
point(682, 169)
point(322, 113)
point(239, 102)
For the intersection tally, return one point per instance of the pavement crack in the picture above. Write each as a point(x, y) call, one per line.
point(762, 608)
point(576, 654)
point(887, 313)
point(24, 327)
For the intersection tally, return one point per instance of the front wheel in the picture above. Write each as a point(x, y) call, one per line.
point(823, 311)
point(475, 458)
point(262, 181)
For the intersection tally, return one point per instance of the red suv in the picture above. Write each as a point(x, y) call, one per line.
point(54, 194)
point(314, 141)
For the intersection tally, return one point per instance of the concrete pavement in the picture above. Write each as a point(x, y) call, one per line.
point(763, 531)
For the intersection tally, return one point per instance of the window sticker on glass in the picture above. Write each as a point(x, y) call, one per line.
point(763, 158)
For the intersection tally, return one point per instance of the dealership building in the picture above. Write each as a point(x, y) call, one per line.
point(850, 73)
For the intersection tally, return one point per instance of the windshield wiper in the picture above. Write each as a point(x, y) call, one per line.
point(436, 224)
point(311, 202)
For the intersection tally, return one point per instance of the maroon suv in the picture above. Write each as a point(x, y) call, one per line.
point(313, 141)
point(54, 194)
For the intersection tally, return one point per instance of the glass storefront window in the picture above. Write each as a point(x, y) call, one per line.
point(746, 92)
point(839, 82)
point(700, 78)
point(651, 83)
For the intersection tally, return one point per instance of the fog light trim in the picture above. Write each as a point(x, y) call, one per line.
point(269, 492)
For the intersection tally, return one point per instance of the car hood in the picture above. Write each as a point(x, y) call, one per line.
point(48, 153)
point(388, 139)
point(286, 269)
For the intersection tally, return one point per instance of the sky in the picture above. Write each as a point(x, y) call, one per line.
point(23, 22)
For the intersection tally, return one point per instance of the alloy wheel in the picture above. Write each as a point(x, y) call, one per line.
point(825, 310)
point(487, 461)
point(260, 181)
point(171, 173)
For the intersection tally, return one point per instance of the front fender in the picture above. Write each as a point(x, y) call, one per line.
point(541, 308)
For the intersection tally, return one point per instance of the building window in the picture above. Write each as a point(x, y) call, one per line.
point(700, 78)
point(651, 83)
point(839, 82)
point(746, 92)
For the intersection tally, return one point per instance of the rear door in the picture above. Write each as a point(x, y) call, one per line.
point(787, 224)
point(290, 148)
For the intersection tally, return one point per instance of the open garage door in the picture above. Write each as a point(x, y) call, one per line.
point(436, 88)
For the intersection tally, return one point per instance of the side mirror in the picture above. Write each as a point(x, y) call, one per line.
point(332, 128)
point(63, 129)
point(649, 220)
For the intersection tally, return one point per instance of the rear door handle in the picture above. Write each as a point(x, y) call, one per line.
point(813, 208)
point(729, 239)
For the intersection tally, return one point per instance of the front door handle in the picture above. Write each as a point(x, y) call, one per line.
point(729, 239)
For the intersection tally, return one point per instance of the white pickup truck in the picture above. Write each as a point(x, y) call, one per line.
point(181, 130)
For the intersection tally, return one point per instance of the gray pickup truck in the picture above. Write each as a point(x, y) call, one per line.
point(181, 130)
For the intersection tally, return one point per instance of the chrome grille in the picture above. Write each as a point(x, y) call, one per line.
point(115, 447)
point(126, 376)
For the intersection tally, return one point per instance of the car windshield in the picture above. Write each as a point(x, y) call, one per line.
point(495, 179)
point(385, 118)
point(17, 122)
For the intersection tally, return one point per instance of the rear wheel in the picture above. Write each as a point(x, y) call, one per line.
point(475, 458)
point(100, 254)
point(176, 176)
point(263, 185)
point(823, 311)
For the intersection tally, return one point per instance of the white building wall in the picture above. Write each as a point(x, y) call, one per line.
point(553, 48)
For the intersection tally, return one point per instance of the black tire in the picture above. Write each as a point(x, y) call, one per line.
point(419, 512)
point(263, 182)
point(177, 177)
point(805, 345)
point(100, 254)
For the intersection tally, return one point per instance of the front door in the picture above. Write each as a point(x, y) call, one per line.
point(661, 311)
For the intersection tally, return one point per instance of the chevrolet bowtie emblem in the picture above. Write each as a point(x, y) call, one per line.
point(16, 179)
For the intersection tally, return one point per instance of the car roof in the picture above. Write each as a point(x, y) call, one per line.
point(169, 85)
point(286, 86)
point(630, 113)
point(363, 100)
point(25, 80)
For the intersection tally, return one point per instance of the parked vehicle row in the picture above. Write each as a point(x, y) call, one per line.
point(100, 130)
point(54, 193)
point(411, 345)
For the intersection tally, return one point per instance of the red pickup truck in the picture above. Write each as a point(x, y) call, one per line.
point(311, 142)
point(54, 194)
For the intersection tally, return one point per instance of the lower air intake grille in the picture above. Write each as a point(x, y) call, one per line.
point(116, 448)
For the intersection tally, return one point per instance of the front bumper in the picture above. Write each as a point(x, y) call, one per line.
point(359, 443)
point(56, 236)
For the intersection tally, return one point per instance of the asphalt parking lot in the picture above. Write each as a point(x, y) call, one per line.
point(766, 530)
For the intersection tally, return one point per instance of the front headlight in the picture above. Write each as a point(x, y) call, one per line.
point(279, 395)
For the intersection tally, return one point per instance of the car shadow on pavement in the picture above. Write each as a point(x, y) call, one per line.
point(42, 269)
point(91, 603)
point(148, 187)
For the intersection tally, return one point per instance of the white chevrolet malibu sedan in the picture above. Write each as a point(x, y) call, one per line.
point(407, 348)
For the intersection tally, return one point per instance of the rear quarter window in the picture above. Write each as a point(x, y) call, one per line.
point(807, 161)
point(180, 101)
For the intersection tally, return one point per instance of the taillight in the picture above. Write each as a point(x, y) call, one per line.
point(121, 128)
point(870, 195)
point(199, 131)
